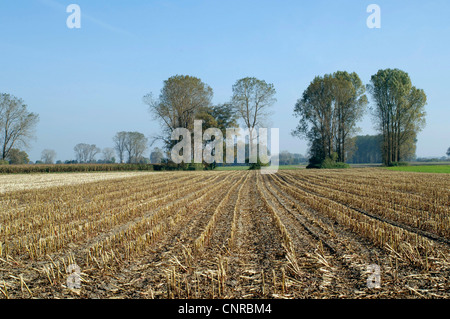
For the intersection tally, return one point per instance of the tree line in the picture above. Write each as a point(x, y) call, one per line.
point(328, 112)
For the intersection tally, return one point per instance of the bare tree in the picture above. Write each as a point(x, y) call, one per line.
point(86, 153)
point(48, 156)
point(108, 155)
point(93, 151)
point(16, 124)
point(79, 152)
point(135, 145)
point(119, 145)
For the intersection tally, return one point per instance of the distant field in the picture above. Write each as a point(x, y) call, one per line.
point(231, 168)
point(428, 163)
point(242, 168)
point(17, 182)
point(286, 167)
point(72, 168)
point(423, 169)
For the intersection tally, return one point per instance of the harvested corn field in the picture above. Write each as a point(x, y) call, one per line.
point(359, 233)
point(10, 183)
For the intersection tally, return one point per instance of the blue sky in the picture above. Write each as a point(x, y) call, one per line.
point(87, 84)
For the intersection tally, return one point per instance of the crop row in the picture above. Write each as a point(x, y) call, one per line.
point(88, 221)
point(436, 219)
point(137, 236)
point(410, 246)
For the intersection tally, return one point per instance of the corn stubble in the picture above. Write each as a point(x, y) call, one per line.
point(236, 234)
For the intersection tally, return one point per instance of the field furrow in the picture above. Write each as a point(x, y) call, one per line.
point(424, 222)
point(349, 249)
